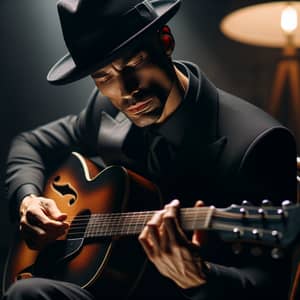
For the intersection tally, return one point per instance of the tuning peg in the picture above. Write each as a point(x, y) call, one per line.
point(277, 253)
point(243, 212)
point(246, 203)
point(280, 212)
point(256, 233)
point(286, 203)
point(237, 232)
point(276, 235)
point(261, 212)
point(266, 202)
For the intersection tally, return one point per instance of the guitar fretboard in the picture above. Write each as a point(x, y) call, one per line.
point(132, 223)
point(237, 224)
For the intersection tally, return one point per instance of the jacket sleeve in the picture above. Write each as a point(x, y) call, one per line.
point(267, 171)
point(33, 153)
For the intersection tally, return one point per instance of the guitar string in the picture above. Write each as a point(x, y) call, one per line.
point(217, 225)
point(127, 215)
point(216, 213)
point(184, 210)
point(94, 222)
point(123, 226)
point(128, 226)
point(224, 224)
point(124, 223)
point(98, 219)
point(127, 221)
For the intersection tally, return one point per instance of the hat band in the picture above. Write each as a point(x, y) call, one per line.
point(90, 47)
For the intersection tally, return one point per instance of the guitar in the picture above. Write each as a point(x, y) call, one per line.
point(105, 206)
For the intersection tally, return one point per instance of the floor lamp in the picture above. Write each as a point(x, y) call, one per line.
point(273, 24)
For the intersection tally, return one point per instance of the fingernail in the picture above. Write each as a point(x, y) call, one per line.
point(175, 202)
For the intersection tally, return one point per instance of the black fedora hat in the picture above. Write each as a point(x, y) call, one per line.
point(96, 31)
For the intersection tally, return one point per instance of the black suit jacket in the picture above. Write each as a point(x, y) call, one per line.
point(224, 150)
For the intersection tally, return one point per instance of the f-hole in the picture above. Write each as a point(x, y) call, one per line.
point(64, 189)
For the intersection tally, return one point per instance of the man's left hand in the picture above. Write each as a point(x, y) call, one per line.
point(168, 248)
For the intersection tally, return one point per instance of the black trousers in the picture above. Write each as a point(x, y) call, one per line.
point(46, 289)
point(151, 286)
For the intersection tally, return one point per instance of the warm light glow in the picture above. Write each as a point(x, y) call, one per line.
point(259, 24)
point(289, 19)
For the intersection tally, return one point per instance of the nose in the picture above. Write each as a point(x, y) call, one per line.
point(130, 80)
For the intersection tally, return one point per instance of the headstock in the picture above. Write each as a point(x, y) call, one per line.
point(276, 227)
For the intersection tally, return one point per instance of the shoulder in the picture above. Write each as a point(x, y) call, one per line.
point(249, 129)
point(245, 121)
point(235, 111)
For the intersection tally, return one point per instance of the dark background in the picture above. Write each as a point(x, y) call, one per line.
point(31, 41)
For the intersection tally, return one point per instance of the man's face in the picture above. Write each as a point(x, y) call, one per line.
point(138, 84)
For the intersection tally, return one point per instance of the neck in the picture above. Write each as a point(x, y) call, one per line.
point(176, 95)
point(182, 80)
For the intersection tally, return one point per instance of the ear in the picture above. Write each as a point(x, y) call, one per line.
point(167, 39)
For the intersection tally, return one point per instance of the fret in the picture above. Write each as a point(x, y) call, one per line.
point(87, 233)
point(136, 228)
point(209, 216)
point(90, 227)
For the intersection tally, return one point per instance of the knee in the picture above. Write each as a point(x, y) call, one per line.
point(26, 289)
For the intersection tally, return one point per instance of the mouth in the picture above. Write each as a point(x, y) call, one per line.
point(140, 107)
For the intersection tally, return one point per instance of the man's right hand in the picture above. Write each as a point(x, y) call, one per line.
point(41, 222)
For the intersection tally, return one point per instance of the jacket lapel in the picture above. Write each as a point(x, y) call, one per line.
point(111, 136)
point(197, 129)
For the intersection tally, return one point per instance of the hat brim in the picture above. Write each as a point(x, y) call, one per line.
point(65, 70)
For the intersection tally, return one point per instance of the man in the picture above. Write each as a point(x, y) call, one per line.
point(166, 121)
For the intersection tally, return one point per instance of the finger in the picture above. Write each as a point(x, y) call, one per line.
point(27, 228)
point(52, 234)
point(153, 235)
point(37, 217)
point(175, 234)
point(52, 210)
point(36, 237)
point(199, 203)
point(153, 231)
point(164, 239)
point(143, 239)
point(198, 235)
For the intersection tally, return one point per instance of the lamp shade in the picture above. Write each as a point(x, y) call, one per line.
point(260, 25)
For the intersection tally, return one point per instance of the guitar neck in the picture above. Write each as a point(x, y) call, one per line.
point(132, 223)
point(273, 226)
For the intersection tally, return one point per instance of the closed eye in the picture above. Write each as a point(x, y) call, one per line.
point(137, 62)
point(102, 77)
point(105, 78)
